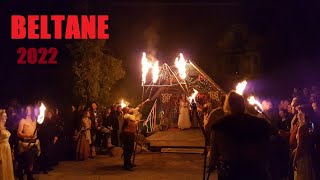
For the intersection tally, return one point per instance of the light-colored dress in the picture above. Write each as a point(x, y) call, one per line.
point(6, 167)
point(84, 140)
point(305, 167)
point(184, 115)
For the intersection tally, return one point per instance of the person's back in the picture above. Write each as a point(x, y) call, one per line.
point(242, 144)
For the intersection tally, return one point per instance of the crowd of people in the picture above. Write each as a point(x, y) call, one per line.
point(281, 142)
point(28, 147)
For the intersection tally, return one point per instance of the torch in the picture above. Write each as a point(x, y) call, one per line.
point(257, 105)
point(40, 118)
point(241, 87)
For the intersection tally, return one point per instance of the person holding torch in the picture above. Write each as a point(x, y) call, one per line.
point(28, 145)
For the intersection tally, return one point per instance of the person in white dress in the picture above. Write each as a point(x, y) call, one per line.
point(184, 114)
point(6, 167)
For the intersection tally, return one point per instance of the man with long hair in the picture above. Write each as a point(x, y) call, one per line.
point(240, 142)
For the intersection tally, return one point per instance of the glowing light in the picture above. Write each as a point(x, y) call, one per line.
point(146, 65)
point(256, 104)
point(241, 87)
point(155, 72)
point(193, 96)
point(181, 65)
point(41, 114)
point(123, 104)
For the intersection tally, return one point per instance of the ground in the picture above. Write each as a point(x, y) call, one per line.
point(151, 166)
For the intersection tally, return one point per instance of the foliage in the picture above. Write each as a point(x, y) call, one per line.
point(95, 71)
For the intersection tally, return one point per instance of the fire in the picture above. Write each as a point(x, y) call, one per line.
point(146, 65)
point(181, 65)
point(123, 104)
point(257, 105)
point(41, 114)
point(241, 87)
point(193, 96)
point(155, 72)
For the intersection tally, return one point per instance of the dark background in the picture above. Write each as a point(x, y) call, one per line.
point(290, 57)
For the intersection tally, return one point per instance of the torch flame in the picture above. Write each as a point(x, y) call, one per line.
point(193, 96)
point(181, 65)
point(123, 104)
point(146, 65)
point(41, 114)
point(155, 72)
point(241, 87)
point(257, 105)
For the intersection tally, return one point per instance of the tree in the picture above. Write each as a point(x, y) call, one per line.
point(95, 71)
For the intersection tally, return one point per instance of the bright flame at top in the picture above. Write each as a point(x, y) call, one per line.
point(155, 72)
point(123, 104)
point(181, 65)
point(241, 87)
point(193, 96)
point(146, 65)
point(257, 105)
point(41, 114)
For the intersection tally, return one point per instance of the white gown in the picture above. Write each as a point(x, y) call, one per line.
point(184, 116)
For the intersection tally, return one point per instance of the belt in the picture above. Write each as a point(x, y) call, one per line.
point(28, 140)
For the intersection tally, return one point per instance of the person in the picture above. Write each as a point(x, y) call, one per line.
point(84, 138)
point(28, 145)
point(303, 160)
point(214, 116)
point(6, 167)
point(240, 143)
point(184, 116)
point(96, 126)
point(48, 135)
point(129, 129)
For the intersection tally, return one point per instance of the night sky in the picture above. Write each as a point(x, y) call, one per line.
point(290, 29)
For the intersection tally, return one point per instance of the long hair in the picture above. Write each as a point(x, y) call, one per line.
point(234, 103)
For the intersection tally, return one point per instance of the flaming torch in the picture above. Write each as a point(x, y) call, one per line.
point(146, 65)
point(123, 104)
point(41, 115)
point(181, 65)
point(241, 87)
point(193, 96)
point(255, 103)
point(258, 106)
point(155, 72)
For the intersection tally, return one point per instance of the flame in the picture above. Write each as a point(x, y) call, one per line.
point(41, 114)
point(146, 65)
point(193, 96)
point(155, 72)
point(181, 65)
point(241, 87)
point(123, 104)
point(257, 105)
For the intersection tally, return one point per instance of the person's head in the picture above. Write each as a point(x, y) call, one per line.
point(266, 105)
point(49, 114)
point(183, 97)
point(3, 116)
point(315, 107)
point(119, 108)
point(29, 112)
point(125, 110)
point(86, 113)
point(73, 108)
point(283, 113)
point(234, 103)
point(304, 113)
point(94, 106)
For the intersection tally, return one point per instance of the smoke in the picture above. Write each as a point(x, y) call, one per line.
point(151, 37)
